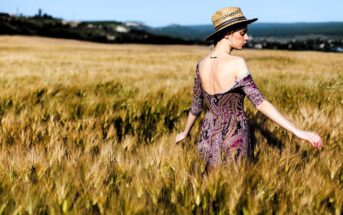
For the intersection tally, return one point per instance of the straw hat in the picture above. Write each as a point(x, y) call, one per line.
point(227, 17)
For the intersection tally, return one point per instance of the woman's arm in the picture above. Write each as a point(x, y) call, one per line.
point(195, 109)
point(272, 113)
point(189, 124)
point(265, 107)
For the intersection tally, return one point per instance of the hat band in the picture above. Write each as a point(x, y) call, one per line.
point(242, 18)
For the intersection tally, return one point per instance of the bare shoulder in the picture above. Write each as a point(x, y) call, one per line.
point(227, 64)
point(240, 66)
point(237, 61)
point(204, 60)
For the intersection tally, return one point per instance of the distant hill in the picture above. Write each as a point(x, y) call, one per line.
point(99, 31)
point(326, 36)
point(284, 30)
point(290, 36)
point(189, 32)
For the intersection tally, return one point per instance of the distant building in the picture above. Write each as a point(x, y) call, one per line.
point(121, 29)
point(258, 46)
point(134, 24)
point(72, 24)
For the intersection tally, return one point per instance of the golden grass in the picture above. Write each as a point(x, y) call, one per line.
point(89, 128)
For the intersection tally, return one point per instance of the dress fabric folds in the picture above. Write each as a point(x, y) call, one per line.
point(225, 134)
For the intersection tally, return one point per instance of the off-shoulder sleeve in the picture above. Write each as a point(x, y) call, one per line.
point(197, 104)
point(251, 91)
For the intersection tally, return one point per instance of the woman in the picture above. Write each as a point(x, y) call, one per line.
point(221, 82)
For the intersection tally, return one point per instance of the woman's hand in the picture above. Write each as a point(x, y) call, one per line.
point(312, 137)
point(181, 136)
point(270, 111)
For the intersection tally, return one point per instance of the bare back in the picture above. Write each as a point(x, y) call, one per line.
point(218, 75)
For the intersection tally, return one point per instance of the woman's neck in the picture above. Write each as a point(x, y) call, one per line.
point(221, 49)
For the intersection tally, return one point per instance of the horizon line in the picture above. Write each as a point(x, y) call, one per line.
point(170, 24)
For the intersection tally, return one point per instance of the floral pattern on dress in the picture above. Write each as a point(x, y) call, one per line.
point(225, 134)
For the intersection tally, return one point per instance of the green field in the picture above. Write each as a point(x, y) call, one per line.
point(89, 128)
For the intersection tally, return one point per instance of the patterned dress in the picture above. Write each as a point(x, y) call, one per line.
point(224, 132)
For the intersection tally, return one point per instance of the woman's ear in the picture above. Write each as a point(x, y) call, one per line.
point(227, 36)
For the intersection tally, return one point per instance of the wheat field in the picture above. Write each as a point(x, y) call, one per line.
point(89, 128)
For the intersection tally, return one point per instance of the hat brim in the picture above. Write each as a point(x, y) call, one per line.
point(214, 34)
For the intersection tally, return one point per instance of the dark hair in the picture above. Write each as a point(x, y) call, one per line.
point(221, 34)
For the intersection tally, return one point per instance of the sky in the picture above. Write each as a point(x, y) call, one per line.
point(157, 13)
